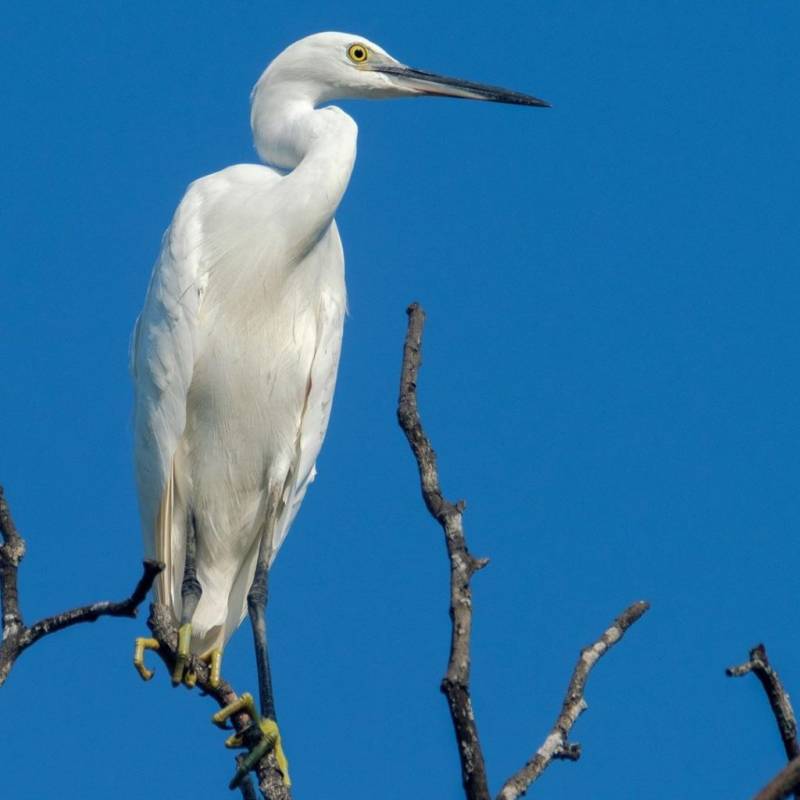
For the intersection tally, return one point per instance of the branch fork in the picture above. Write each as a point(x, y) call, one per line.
point(463, 565)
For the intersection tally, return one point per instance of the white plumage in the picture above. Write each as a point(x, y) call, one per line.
point(235, 353)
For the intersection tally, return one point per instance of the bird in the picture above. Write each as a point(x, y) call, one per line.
point(234, 355)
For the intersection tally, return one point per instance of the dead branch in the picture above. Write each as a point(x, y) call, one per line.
point(783, 712)
point(556, 744)
point(778, 697)
point(455, 684)
point(17, 637)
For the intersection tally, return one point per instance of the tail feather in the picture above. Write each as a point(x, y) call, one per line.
point(163, 544)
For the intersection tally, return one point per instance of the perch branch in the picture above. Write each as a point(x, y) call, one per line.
point(270, 778)
point(455, 684)
point(556, 746)
point(17, 637)
point(463, 566)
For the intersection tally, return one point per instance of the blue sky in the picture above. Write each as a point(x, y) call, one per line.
point(611, 381)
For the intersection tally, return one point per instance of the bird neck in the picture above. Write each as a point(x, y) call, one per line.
point(288, 126)
point(316, 145)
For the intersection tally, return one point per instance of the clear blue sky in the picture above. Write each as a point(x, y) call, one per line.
point(611, 381)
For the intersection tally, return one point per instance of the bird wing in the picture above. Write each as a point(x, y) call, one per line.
point(163, 353)
point(168, 337)
point(314, 422)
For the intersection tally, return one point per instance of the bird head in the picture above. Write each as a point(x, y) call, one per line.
point(331, 66)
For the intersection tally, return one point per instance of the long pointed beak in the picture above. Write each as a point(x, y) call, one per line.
point(420, 82)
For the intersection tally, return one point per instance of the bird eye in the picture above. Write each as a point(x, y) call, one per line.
point(357, 53)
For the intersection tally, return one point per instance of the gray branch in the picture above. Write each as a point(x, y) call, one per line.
point(779, 702)
point(17, 637)
point(463, 566)
point(455, 684)
point(778, 696)
point(556, 746)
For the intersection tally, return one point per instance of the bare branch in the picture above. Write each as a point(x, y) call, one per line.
point(463, 565)
point(91, 613)
point(786, 782)
point(556, 745)
point(455, 684)
point(778, 696)
point(16, 636)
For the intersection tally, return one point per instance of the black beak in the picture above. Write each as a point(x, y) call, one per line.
point(416, 80)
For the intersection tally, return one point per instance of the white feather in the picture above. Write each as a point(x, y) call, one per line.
point(234, 356)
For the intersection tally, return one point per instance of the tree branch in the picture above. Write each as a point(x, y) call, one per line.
point(556, 745)
point(463, 566)
point(455, 684)
point(786, 782)
point(782, 710)
point(17, 637)
point(778, 696)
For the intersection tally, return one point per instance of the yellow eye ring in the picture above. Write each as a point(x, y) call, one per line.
point(357, 53)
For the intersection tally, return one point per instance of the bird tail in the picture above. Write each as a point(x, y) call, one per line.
point(163, 543)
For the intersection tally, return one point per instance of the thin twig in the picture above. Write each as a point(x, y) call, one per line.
point(463, 565)
point(91, 613)
point(556, 744)
point(778, 696)
point(17, 637)
point(270, 778)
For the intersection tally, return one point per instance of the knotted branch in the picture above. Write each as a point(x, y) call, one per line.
point(17, 637)
point(455, 684)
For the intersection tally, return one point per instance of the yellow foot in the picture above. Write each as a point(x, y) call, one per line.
point(243, 703)
point(184, 643)
point(267, 737)
point(142, 644)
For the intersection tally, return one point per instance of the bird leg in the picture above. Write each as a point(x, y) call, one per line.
point(191, 591)
point(257, 599)
point(261, 736)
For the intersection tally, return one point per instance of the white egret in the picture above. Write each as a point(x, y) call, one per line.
point(234, 356)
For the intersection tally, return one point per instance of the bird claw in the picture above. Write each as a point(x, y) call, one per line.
point(214, 661)
point(143, 643)
point(261, 736)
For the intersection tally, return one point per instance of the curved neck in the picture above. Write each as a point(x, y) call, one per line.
point(318, 146)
